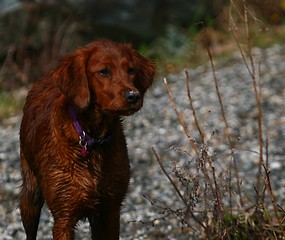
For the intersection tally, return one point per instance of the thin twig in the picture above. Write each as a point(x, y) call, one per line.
point(177, 190)
point(202, 136)
point(191, 141)
point(169, 178)
point(218, 197)
point(251, 70)
point(215, 190)
point(231, 143)
point(274, 205)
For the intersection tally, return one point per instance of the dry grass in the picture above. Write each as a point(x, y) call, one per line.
point(214, 203)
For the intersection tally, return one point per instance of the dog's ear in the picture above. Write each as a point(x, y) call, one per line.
point(72, 80)
point(145, 70)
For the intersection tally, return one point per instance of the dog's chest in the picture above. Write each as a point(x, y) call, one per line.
point(106, 173)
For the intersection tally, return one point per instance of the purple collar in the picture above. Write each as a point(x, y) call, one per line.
point(85, 140)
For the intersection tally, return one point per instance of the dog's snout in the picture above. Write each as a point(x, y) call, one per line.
point(132, 97)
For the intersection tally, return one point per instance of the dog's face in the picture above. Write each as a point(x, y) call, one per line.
point(111, 75)
point(118, 77)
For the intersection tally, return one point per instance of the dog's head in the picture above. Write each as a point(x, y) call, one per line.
point(113, 75)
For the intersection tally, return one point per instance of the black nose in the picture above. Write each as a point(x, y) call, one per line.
point(132, 97)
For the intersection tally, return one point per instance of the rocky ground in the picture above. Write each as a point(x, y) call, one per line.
point(157, 126)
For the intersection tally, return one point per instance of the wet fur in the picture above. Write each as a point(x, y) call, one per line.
point(53, 168)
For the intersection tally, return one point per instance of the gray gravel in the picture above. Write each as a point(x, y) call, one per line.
point(157, 126)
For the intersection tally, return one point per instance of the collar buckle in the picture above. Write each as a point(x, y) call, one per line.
point(85, 140)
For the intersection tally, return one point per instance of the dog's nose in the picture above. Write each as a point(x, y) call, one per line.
point(132, 97)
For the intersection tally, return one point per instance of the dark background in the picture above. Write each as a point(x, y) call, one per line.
point(34, 34)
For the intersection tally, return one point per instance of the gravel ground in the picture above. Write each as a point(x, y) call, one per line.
point(157, 126)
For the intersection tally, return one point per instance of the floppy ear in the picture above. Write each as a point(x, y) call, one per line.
point(72, 80)
point(145, 69)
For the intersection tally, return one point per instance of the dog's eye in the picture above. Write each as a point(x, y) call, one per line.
point(104, 72)
point(130, 70)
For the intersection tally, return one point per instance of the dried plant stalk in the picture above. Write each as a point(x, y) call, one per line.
point(202, 135)
point(191, 141)
point(188, 209)
point(223, 113)
point(256, 87)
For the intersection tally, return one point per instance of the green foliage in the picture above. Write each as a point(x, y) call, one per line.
point(177, 49)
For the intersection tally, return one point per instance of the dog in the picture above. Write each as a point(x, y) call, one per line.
point(72, 146)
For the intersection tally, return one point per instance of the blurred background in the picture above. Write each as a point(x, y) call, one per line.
point(35, 33)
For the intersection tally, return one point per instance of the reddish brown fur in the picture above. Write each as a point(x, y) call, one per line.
point(53, 167)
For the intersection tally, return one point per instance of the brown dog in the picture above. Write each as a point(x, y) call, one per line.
point(73, 150)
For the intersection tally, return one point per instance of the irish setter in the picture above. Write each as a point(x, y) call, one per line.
point(73, 149)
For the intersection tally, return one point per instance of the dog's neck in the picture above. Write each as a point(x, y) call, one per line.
point(95, 131)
